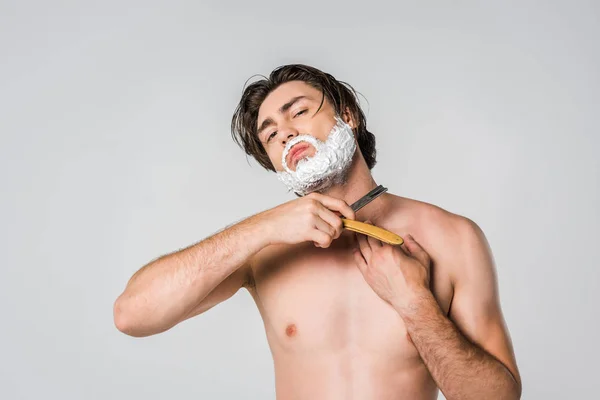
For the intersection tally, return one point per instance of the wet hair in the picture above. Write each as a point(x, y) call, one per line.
point(339, 94)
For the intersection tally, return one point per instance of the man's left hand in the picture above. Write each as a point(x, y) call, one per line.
point(398, 274)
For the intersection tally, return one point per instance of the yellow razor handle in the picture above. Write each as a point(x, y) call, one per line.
point(373, 231)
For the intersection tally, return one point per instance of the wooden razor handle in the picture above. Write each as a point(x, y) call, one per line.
point(373, 231)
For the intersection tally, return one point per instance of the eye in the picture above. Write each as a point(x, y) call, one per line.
point(272, 135)
point(300, 113)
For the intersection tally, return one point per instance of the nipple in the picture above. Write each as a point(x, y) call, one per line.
point(291, 330)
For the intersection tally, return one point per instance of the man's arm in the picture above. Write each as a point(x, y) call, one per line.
point(188, 282)
point(470, 355)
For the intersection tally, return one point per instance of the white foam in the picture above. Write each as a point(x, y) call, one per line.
point(327, 167)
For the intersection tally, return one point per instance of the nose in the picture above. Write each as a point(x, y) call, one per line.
point(287, 134)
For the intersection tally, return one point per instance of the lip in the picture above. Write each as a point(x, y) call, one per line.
point(295, 153)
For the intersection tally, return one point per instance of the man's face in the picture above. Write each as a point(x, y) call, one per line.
point(287, 112)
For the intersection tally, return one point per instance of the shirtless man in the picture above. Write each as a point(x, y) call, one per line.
point(346, 316)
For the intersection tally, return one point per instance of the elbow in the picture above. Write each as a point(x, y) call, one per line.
point(130, 321)
point(518, 391)
point(513, 395)
point(513, 391)
point(517, 386)
point(124, 320)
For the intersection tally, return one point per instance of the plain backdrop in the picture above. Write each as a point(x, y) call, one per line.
point(116, 148)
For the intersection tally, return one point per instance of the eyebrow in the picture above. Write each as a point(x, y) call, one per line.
point(269, 121)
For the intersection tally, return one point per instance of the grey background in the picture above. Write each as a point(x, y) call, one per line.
point(115, 149)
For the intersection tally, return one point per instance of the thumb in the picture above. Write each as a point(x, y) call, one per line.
point(416, 250)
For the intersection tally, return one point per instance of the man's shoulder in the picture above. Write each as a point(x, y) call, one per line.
point(435, 217)
point(449, 234)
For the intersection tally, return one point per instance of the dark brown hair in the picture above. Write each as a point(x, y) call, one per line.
point(340, 94)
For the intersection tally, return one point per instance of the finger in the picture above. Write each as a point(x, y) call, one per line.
point(364, 246)
point(361, 263)
point(374, 243)
point(404, 249)
point(333, 220)
point(416, 250)
point(324, 232)
point(321, 239)
point(336, 205)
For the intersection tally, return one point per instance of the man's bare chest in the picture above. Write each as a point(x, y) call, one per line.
point(314, 299)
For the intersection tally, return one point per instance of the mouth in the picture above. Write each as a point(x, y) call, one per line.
point(296, 153)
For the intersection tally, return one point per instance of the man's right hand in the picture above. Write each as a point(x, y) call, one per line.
point(309, 218)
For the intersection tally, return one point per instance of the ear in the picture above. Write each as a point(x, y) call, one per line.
point(347, 117)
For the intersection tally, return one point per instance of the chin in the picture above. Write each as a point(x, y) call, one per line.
point(323, 185)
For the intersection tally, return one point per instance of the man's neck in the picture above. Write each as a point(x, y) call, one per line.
point(360, 182)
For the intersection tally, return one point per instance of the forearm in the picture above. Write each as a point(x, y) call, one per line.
point(461, 369)
point(164, 291)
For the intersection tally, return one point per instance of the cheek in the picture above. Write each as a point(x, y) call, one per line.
point(324, 129)
point(275, 157)
point(276, 161)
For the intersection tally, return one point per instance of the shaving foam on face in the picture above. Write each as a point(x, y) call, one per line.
point(327, 167)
